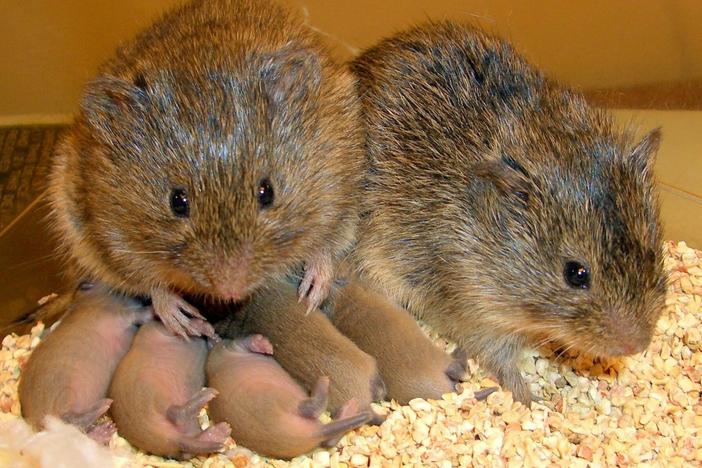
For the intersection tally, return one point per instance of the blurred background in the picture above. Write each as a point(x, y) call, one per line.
point(642, 58)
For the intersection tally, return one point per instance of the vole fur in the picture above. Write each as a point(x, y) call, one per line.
point(489, 187)
point(216, 150)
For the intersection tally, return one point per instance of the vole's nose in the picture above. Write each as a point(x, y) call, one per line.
point(628, 347)
point(629, 337)
point(230, 280)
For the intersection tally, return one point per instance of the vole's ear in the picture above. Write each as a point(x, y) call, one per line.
point(291, 74)
point(504, 177)
point(110, 102)
point(643, 156)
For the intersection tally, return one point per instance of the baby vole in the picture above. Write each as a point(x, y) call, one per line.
point(158, 393)
point(269, 412)
point(308, 346)
point(410, 365)
point(69, 373)
point(219, 148)
point(500, 208)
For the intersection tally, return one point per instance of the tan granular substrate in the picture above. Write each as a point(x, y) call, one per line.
point(641, 410)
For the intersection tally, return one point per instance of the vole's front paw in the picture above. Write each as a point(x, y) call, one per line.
point(378, 389)
point(515, 383)
point(317, 282)
point(172, 310)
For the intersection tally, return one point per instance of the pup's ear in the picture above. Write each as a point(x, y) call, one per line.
point(503, 177)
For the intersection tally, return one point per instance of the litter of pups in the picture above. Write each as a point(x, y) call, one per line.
point(640, 409)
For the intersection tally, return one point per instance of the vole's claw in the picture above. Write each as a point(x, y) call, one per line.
point(172, 310)
point(316, 284)
point(198, 327)
point(305, 287)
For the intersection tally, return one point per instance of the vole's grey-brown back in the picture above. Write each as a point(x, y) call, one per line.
point(501, 208)
point(218, 149)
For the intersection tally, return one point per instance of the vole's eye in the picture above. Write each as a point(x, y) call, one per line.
point(264, 193)
point(180, 205)
point(576, 275)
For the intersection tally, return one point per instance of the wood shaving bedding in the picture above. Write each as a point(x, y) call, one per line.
point(641, 410)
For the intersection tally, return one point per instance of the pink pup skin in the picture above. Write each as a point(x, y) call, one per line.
point(269, 412)
point(69, 373)
point(158, 393)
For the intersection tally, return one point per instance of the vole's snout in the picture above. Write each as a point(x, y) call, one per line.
point(627, 337)
point(231, 280)
point(627, 346)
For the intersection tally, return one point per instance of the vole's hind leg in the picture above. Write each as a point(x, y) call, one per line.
point(183, 415)
point(88, 417)
point(210, 440)
point(316, 404)
point(172, 310)
point(317, 281)
point(102, 433)
point(347, 419)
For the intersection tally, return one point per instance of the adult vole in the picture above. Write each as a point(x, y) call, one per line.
point(218, 149)
point(500, 208)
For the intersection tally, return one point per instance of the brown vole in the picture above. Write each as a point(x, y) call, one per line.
point(410, 365)
point(308, 346)
point(500, 208)
point(219, 148)
point(69, 373)
point(269, 412)
point(158, 393)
